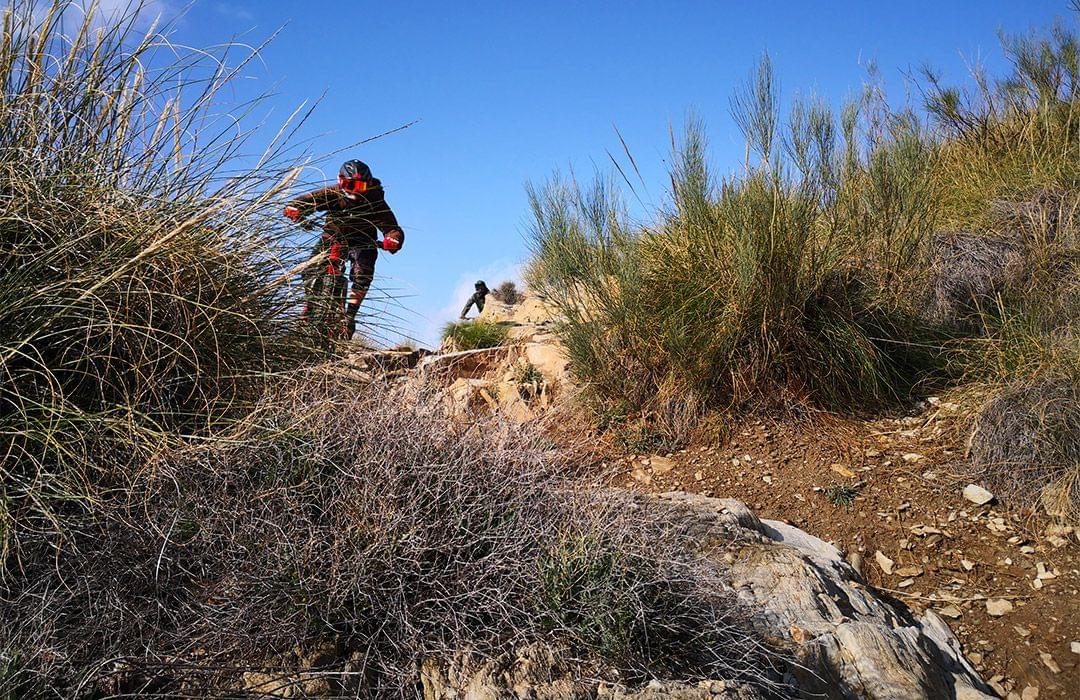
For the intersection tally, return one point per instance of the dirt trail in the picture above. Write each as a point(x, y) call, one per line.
point(1007, 582)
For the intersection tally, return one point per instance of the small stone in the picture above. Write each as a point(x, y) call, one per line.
point(906, 582)
point(642, 476)
point(767, 479)
point(1074, 647)
point(842, 470)
point(1037, 584)
point(1043, 573)
point(661, 465)
point(1027, 549)
point(1049, 662)
point(950, 611)
point(872, 453)
point(996, 607)
point(856, 561)
point(1022, 631)
point(884, 562)
point(909, 571)
point(1031, 692)
point(977, 494)
point(699, 475)
point(912, 457)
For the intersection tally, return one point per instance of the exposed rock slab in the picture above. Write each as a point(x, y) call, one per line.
point(848, 640)
point(854, 642)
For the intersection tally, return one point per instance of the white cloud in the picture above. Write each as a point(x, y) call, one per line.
point(108, 12)
point(233, 11)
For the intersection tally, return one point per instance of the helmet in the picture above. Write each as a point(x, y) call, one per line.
point(480, 286)
point(354, 176)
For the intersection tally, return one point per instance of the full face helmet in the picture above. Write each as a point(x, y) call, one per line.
point(354, 177)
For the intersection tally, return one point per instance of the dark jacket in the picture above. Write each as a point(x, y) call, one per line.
point(353, 221)
point(477, 299)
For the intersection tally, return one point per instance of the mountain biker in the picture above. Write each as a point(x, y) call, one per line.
point(355, 209)
point(477, 299)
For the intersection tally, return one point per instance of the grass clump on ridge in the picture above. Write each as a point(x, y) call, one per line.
point(791, 281)
point(475, 335)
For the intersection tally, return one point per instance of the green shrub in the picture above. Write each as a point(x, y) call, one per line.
point(475, 335)
point(842, 496)
point(527, 373)
point(791, 281)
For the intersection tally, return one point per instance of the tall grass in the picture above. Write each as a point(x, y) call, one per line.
point(859, 257)
point(1014, 135)
point(786, 282)
point(137, 292)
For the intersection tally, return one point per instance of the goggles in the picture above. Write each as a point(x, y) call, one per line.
point(354, 185)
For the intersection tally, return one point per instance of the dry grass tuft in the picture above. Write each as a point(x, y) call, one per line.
point(969, 272)
point(1026, 445)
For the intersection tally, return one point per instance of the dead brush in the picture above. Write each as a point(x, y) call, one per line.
point(508, 293)
point(1025, 445)
point(364, 521)
point(969, 271)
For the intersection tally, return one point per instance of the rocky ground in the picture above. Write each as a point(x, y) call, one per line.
point(884, 493)
point(887, 493)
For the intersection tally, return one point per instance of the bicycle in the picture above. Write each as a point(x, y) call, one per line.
point(326, 291)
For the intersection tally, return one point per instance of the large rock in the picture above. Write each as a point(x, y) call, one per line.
point(550, 359)
point(852, 641)
point(528, 311)
point(464, 364)
point(847, 640)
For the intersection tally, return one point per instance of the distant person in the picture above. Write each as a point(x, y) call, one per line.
point(477, 299)
point(355, 210)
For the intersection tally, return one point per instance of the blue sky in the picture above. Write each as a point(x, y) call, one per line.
point(506, 92)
